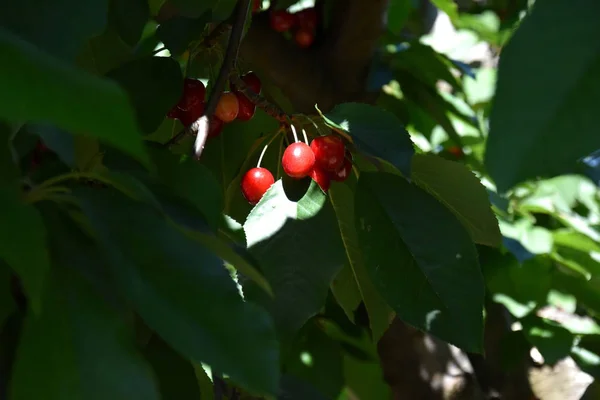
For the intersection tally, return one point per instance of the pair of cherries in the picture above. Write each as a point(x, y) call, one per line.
point(231, 106)
point(326, 159)
point(305, 21)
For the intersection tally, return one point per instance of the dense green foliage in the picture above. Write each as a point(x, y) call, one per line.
point(132, 271)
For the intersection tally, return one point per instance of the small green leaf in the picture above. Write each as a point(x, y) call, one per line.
point(37, 87)
point(79, 348)
point(59, 29)
point(380, 313)
point(398, 13)
point(183, 292)
point(375, 132)
point(130, 17)
point(461, 192)
point(421, 259)
point(23, 244)
point(299, 250)
point(447, 6)
point(546, 134)
point(154, 85)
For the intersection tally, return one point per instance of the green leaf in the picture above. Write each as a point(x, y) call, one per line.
point(299, 250)
point(553, 341)
point(380, 313)
point(179, 32)
point(192, 181)
point(461, 192)
point(524, 115)
point(375, 132)
point(183, 292)
point(176, 376)
point(130, 17)
point(346, 291)
point(57, 28)
point(78, 348)
point(7, 302)
point(23, 244)
point(104, 52)
point(447, 6)
point(365, 379)
point(421, 259)
point(37, 87)
point(316, 359)
point(9, 171)
point(398, 13)
point(154, 85)
point(193, 8)
point(520, 288)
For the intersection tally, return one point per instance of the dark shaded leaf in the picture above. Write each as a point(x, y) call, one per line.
point(23, 244)
point(461, 192)
point(37, 87)
point(78, 348)
point(420, 258)
point(375, 132)
point(154, 85)
point(531, 125)
point(130, 17)
point(183, 292)
point(58, 28)
point(179, 32)
point(300, 251)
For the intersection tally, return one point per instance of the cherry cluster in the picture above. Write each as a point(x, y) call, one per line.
point(326, 159)
point(303, 24)
point(232, 104)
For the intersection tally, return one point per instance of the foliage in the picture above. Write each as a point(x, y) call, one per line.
point(132, 270)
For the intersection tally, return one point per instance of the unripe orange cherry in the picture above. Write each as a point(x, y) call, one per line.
point(228, 107)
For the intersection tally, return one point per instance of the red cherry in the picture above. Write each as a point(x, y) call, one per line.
point(329, 152)
point(256, 5)
point(247, 108)
point(298, 159)
point(193, 93)
point(174, 113)
point(282, 20)
point(190, 116)
point(228, 107)
point(255, 184)
point(456, 152)
point(215, 127)
point(343, 172)
point(321, 177)
point(304, 37)
point(252, 81)
point(307, 18)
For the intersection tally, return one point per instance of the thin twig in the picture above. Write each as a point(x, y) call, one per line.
point(175, 138)
point(201, 126)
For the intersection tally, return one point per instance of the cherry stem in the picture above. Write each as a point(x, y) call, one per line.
point(229, 61)
point(261, 155)
point(294, 133)
point(305, 137)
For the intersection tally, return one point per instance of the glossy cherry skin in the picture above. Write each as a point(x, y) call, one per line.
point(321, 177)
point(282, 20)
point(247, 108)
point(252, 81)
point(304, 37)
point(193, 94)
point(255, 184)
point(298, 160)
point(190, 116)
point(307, 18)
point(329, 152)
point(215, 127)
point(343, 173)
point(228, 107)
